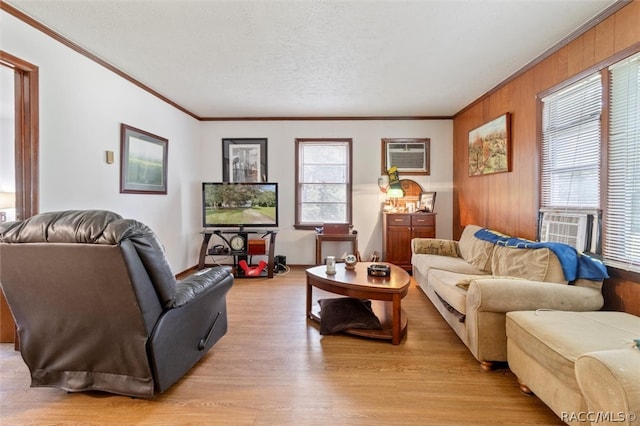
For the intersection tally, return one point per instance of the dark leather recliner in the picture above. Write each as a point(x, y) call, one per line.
point(97, 306)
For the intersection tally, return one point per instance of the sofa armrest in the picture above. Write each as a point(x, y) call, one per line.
point(610, 383)
point(198, 283)
point(505, 295)
point(436, 246)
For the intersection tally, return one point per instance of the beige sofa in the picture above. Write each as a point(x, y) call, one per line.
point(474, 283)
point(584, 365)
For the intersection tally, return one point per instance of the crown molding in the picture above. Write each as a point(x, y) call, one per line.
point(328, 118)
point(58, 37)
point(65, 41)
point(77, 48)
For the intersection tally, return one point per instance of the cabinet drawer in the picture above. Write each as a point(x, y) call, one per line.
point(423, 220)
point(398, 220)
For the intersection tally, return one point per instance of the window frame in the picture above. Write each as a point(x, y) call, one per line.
point(602, 68)
point(612, 262)
point(299, 142)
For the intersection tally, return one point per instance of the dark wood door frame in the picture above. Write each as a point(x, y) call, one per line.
point(27, 134)
point(26, 159)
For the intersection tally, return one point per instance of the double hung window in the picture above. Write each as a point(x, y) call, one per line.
point(571, 146)
point(323, 182)
point(591, 155)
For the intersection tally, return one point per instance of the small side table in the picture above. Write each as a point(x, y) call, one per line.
point(320, 238)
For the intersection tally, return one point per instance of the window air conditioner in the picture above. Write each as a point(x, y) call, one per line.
point(577, 228)
point(407, 156)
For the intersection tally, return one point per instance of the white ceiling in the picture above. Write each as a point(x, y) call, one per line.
point(331, 58)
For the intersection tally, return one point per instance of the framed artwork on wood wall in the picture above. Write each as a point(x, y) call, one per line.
point(143, 162)
point(244, 160)
point(490, 147)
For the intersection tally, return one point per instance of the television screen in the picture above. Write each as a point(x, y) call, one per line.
point(242, 204)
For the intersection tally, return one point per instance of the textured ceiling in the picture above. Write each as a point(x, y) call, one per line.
point(316, 58)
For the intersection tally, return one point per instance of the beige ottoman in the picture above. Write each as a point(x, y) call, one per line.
point(543, 345)
point(610, 383)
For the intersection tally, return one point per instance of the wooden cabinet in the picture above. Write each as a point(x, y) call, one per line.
point(399, 229)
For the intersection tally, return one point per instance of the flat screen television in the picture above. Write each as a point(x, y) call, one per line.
point(241, 204)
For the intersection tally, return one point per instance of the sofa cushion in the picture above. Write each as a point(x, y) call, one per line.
point(555, 339)
point(425, 262)
point(531, 264)
point(474, 250)
point(445, 285)
point(466, 282)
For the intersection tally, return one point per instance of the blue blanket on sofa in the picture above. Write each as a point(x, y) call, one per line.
point(574, 264)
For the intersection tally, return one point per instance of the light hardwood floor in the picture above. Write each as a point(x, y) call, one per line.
point(273, 368)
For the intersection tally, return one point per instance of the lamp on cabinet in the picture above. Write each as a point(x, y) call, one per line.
point(394, 194)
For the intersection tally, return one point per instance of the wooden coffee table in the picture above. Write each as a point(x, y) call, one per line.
point(389, 291)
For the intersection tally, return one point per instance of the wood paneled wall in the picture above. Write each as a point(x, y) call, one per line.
point(509, 202)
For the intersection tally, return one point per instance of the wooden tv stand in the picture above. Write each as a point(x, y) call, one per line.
point(225, 235)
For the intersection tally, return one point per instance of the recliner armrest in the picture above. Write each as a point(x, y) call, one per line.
point(187, 330)
point(192, 286)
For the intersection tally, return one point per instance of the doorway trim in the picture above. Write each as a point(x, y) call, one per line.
point(27, 134)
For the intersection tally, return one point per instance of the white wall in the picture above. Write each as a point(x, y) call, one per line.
point(298, 245)
point(81, 107)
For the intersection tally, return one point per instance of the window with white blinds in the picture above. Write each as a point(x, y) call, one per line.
point(621, 245)
point(571, 146)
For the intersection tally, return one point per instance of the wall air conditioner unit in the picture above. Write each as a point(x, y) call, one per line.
point(407, 156)
point(579, 228)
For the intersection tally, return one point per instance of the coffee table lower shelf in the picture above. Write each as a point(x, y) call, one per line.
point(384, 314)
point(385, 293)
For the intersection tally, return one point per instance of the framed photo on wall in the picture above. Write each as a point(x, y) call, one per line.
point(143, 162)
point(244, 160)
